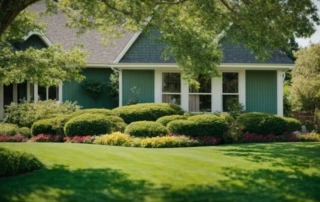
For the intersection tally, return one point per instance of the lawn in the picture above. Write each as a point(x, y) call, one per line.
point(247, 172)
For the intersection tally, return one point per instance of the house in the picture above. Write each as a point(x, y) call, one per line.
point(257, 85)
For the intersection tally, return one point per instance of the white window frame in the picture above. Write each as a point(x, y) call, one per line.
point(238, 93)
point(200, 93)
point(171, 93)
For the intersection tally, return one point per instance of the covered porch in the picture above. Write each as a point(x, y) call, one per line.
point(16, 93)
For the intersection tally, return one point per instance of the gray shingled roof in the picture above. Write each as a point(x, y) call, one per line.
point(146, 50)
point(58, 33)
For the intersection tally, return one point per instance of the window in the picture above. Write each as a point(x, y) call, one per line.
point(200, 99)
point(171, 88)
point(230, 91)
point(51, 92)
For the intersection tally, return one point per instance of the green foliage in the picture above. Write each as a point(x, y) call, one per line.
point(235, 109)
point(117, 124)
point(287, 105)
point(87, 124)
point(229, 119)
point(310, 137)
point(293, 124)
point(200, 125)
point(265, 124)
point(43, 126)
point(146, 129)
point(306, 79)
point(93, 88)
point(310, 125)
point(8, 129)
point(168, 141)
point(147, 112)
point(25, 114)
point(25, 131)
point(167, 119)
point(113, 86)
point(16, 162)
point(115, 139)
point(105, 112)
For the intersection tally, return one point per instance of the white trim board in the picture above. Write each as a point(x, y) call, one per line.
point(43, 37)
point(127, 47)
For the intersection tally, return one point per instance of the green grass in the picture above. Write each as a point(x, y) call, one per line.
point(248, 172)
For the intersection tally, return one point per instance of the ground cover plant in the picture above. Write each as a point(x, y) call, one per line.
point(246, 172)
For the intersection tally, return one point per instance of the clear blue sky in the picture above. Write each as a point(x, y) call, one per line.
point(315, 38)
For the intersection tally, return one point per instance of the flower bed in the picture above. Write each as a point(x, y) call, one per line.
point(16, 138)
point(80, 139)
point(47, 138)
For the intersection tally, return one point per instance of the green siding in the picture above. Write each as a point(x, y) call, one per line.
point(143, 80)
point(73, 91)
point(261, 91)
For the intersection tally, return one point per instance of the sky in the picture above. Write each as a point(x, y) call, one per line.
point(315, 38)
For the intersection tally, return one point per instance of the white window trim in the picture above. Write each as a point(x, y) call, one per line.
point(171, 93)
point(238, 93)
point(202, 93)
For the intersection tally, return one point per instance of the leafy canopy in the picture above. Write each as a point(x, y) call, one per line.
point(306, 79)
point(191, 28)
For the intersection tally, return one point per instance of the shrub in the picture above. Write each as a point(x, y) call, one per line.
point(25, 131)
point(292, 124)
point(168, 141)
point(117, 124)
point(228, 118)
point(261, 123)
point(80, 139)
point(209, 125)
point(116, 139)
point(167, 119)
point(43, 127)
point(310, 137)
point(105, 112)
point(8, 129)
point(146, 129)
point(147, 112)
point(47, 138)
point(182, 127)
point(16, 138)
point(310, 125)
point(207, 140)
point(59, 122)
point(25, 114)
point(87, 124)
point(16, 162)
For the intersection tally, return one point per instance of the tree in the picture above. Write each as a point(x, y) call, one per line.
point(47, 66)
point(306, 79)
point(189, 27)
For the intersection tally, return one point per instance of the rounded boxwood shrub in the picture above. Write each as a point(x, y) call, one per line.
point(262, 123)
point(117, 123)
point(87, 124)
point(16, 162)
point(210, 125)
point(146, 129)
point(43, 126)
point(147, 112)
point(167, 119)
point(106, 112)
point(8, 129)
point(293, 124)
point(25, 131)
point(182, 127)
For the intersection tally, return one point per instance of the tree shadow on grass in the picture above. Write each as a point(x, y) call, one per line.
point(253, 185)
point(61, 184)
point(293, 155)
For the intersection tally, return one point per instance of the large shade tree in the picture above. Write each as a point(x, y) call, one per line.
point(191, 28)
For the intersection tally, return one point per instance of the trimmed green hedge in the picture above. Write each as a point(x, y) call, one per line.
point(117, 123)
point(147, 112)
point(146, 129)
point(167, 119)
point(43, 126)
point(16, 162)
point(25, 131)
point(87, 124)
point(200, 125)
point(106, 112)
point(8, 129)
point(262, 123)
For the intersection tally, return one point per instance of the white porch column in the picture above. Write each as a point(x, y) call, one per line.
point(60, 92)
point(35, 91)
point(216, 86)
point(184, 95)
point(28, 91)
point(242, 87)
point(157, 86)
point(1, 101)
point(120, 88)
point(280, 80)
point(15, 93)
